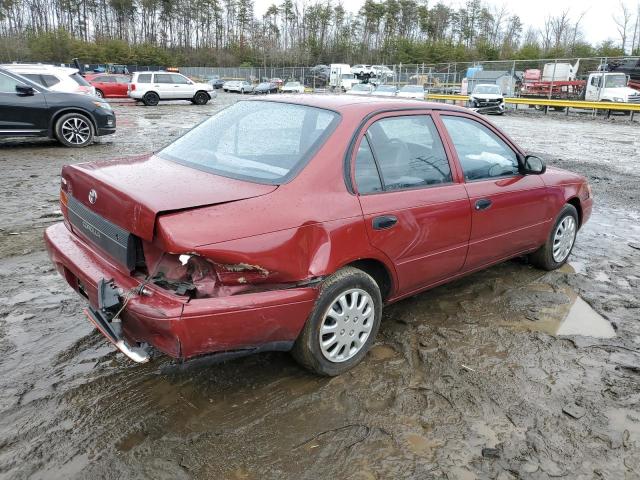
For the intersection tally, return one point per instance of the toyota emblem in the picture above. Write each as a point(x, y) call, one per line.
point(93, 196)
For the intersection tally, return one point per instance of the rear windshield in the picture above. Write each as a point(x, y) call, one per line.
point(259, 141)
point(79, 79)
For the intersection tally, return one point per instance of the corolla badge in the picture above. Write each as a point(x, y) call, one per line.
point(93, 196)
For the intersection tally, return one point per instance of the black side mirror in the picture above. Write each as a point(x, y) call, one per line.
point(25, 90)
point(532, 165)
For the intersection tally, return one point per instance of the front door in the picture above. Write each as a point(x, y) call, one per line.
point(21, 114)
point(415, 212)
point(510, 210)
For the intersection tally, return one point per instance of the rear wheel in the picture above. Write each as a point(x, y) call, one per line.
point(99, 93)
point(555, 252)
point(343, 324)
point(151, 99)
point(74, 130)
point(200, 98)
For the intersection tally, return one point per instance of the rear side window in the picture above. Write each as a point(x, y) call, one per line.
point(144, 78)
point(79, 79)
point(409, 152)
point(266, 142)
point(50, 80)
point(367, 177)
point(122, 79)
point(164, 78)
point(104, 79)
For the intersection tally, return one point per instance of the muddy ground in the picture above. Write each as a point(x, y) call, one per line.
point(473, 365)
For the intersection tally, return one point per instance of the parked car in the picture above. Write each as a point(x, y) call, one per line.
point(487, 97)
point(216, 83)
point(293, 87)
point(382, 71)
point(412, 91)
point(266, 87)
point(362, 70)
point(385, 91)
point(108, 85)
point(240, 86)
point(27, 109)
point(278, 81)
point(57, 79)
point(205, 256)
point(151, 87)
point(361, 89)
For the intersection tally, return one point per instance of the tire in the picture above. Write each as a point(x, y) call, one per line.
point(99, 93)
point(201, 98)
point(348, 284)
point(151, 99)
point(242, 91)
point(565, 224)
point(74, 130)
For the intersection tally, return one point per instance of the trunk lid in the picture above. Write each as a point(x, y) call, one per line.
point(132, 192)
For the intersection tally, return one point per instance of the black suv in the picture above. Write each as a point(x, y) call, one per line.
point(28, 109)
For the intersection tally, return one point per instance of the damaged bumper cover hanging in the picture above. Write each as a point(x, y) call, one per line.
point(104, 319)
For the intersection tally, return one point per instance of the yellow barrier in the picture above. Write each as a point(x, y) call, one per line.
point(545, 102)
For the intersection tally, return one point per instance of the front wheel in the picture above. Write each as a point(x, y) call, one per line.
point(99, 93)
point(555, 252)
point(74, 130)
point(343, 324)
point(200, 98)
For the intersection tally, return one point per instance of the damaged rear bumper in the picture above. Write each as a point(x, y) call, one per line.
point(176, 325)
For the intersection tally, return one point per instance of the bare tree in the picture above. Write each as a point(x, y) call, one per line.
point(623, 22)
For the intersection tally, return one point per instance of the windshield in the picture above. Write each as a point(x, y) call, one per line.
point(264, 85)
point(293, 84)
point(412, 89)
point(615, 81)
point(495, 89)
point(260, 141)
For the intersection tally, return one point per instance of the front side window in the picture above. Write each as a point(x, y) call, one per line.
point(409, 152)
point(265, 142)
point(482, 154)
point(8, 84)
point(179, 79)
point(34, 77)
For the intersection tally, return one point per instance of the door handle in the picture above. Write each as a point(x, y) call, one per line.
point(483, 204)
point(384, 222)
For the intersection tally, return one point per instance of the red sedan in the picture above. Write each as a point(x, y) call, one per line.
point(109, 85)
point(286, 224)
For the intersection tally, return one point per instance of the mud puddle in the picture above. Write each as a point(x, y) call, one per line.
point(470, 380)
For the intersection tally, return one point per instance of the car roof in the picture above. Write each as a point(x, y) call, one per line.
point(363, 105)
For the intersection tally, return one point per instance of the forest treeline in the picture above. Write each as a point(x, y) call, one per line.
point(229, 33)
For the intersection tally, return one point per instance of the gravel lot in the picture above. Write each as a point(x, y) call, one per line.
point(469, 380)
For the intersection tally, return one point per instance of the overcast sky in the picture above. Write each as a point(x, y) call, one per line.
point(597, 24)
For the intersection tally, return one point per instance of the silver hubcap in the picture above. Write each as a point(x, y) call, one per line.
point(346, 325)
point(76, 131)
point(563, 238)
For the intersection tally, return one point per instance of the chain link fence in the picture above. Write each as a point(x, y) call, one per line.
point(436, 78)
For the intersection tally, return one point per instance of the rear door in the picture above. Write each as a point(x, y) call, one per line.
point(416, 211)
point(105, 83)
point(163, 84)
point(510, 211)
point(20, 114)
point(122, 85)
